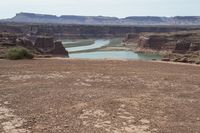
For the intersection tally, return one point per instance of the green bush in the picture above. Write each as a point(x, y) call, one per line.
point(19, 53)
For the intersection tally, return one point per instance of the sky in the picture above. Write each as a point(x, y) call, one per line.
point(115, 8)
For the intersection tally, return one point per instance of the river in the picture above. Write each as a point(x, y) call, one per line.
point(97, 44)
point(82, 52)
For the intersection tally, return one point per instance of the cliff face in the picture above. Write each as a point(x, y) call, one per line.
point(180, 46)
point(101, 20)
point(46, 45)
point(180, 42)
point(84, 31)
point(41, 46)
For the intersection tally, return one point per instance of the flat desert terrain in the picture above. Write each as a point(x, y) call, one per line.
point(98, 96)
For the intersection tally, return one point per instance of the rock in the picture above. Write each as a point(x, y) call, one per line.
point(59, 49)
point(84, 31)
point(177, 42)
point(156, 42)
point(24, 42)
point(178, 46)
point(195, 46)
point(42, 45)
point(165, 59)
point(131, 37)
point(197, 62)
point(46, 45)
point(182, 46)
point(183, 60)
point(7, 39)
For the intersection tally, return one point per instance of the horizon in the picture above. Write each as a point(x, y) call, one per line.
point(119, 9)
point(97, 15)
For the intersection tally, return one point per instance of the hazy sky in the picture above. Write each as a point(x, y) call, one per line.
point(118, 8)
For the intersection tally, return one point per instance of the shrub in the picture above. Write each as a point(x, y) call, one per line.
point(19, 53)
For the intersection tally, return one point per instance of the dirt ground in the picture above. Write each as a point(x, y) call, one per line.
point(98, 96)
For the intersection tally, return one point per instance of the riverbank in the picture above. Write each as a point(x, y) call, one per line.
point(73, 95)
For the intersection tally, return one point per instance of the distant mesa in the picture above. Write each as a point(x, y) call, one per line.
point(102, 20)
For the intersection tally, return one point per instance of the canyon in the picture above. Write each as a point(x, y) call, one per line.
point(175, 39)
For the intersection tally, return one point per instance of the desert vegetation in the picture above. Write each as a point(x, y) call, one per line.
point(18, 53)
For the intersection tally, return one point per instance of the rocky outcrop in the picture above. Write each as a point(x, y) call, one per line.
point(156, 42)
point(131, 37)
point(7, 39)
point(40, 46)
point(189, 57)
point(59, 49)
point(46, 45)
point(177, 46)
point(180, 42)
point(24, 42)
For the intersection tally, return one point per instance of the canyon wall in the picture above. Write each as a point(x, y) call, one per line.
point(177, 46)
point(177, 42)
point(84, 31)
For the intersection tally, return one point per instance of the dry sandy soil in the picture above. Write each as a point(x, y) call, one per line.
point(98, 96)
